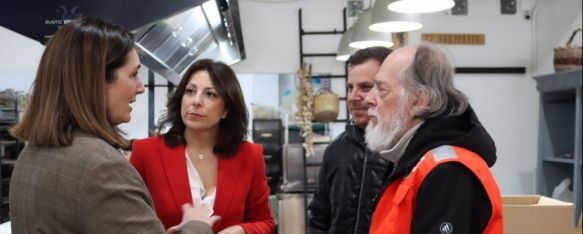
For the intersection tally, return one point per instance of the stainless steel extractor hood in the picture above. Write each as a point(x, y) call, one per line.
point(170, 35)
point(206, 31)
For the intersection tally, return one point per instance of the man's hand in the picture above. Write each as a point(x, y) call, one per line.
point(235, 229)
point(194, 213)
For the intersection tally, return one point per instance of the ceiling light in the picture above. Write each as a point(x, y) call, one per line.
point(383, 20)
point(362, 37)
point(345, 51)
point(420, 6)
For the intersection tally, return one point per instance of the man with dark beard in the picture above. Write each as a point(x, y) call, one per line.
point(441, 182)
point(350, 175)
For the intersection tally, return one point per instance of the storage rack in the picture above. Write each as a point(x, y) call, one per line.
point(560, 132)
point(7, 163)
point(302, 54)
point(303, 33)
point(269, 133)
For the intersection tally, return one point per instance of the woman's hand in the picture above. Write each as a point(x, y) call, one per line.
point(235, 229)
point(194, 213)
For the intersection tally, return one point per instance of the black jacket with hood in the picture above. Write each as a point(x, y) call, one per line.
point(350, 177)
point(450, 192)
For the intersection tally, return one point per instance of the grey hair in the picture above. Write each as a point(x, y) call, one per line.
point(431, 74)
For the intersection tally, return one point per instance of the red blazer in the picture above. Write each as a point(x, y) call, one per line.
point(242, 193)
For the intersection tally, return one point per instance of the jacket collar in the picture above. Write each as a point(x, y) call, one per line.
point(464, 131)
point(394, 154)
point(354, 132)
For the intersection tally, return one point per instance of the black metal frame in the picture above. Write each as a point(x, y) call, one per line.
point(344, 76)
point(490, 70)
point(151, 85)
point(303, 33)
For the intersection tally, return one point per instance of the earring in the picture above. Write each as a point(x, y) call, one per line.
point(224, 115)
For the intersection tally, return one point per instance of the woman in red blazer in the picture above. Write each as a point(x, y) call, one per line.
point(203, 158)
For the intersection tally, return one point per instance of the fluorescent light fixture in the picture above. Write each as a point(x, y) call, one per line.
point(420, 6)
point(362, 37)
point(345, 51)
point(383, 20)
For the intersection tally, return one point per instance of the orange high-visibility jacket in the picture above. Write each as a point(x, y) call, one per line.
point(394, 211)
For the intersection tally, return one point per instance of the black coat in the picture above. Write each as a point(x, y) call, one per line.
point(337, 206)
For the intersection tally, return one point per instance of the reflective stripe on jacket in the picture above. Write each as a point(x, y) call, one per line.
point(394, 211)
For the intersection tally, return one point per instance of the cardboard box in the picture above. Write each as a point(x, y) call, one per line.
point(535, 214)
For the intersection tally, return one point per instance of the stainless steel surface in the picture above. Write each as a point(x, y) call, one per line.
point(291, 213)
point(170, 46)
point(293, 167)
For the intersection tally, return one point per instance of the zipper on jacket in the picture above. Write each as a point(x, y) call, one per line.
point(361, 190)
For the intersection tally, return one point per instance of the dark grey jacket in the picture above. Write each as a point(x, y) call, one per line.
point(350, 177)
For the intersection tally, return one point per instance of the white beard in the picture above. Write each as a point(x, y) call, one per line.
point(383, 135)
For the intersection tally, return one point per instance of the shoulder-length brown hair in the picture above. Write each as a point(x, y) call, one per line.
point(232, 129)
point(70, 85)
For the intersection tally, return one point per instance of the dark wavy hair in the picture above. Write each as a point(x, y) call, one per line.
point(232, 129)
point(376, 53)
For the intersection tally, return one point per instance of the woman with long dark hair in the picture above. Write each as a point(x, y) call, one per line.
point(203, 157)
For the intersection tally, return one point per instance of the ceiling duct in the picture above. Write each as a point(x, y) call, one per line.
point(170, 35)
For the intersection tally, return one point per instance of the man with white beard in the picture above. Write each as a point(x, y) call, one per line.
point(441, 182)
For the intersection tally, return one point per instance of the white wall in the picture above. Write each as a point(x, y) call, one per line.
point(506, 104)
point(18, 53)
point(265, 89)
point(259, 90)
point(270, 33)
point(19, 57)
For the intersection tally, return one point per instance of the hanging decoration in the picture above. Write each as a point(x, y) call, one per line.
point(305, 104)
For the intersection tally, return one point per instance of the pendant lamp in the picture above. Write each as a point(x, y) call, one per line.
point(362, 37)
point(420, 6)
point(345, 51)
point(383, 20)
